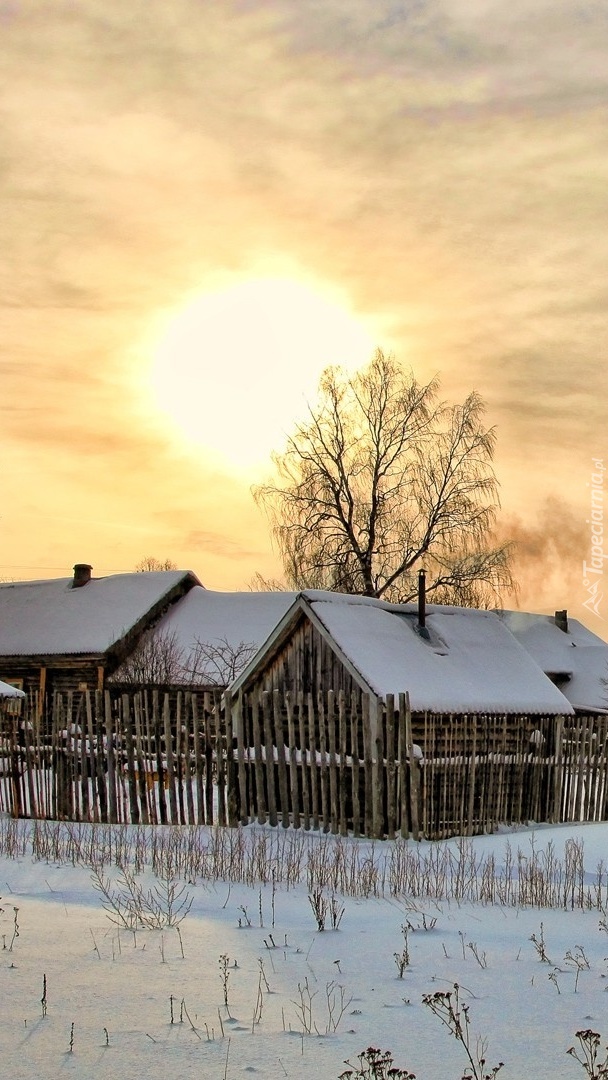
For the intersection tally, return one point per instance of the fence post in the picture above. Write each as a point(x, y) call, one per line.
point(472, 776)
point(231, 780)
point(314, 765)
point(304, 762)
point(378, 771)
point(258, 764)
point(333, 774)
point(368, 820)
point(413, 764)
point(293, 760)
point(355, 770)
point(323, 762)
point(130, 738)
point(390, 767)
point(241, 707)
point(342, 774)
point(281, 765)
point(198, 763)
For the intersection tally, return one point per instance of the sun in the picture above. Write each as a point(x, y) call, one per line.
point(232, 369)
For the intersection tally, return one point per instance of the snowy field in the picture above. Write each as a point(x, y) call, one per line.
point(248, 985)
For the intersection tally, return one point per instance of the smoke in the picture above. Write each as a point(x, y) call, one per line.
point(548, 557)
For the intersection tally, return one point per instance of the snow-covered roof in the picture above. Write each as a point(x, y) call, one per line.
point(50, 617)
point(236, 618)
point(577, 657)
point(470, 662)
point(9, 691)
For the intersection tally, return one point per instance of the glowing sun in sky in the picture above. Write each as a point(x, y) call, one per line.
point(233, 369)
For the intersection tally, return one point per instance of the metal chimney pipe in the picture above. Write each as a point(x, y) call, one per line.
point(422, 599)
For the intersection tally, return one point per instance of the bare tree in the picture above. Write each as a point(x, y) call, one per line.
point(384, 478)
point(157, 659)
point(149, 562)
point(218, 663)
point(259, 583)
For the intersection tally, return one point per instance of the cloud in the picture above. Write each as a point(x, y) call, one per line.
point(445, 164)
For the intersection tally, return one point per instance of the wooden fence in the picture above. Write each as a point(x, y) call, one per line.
point(128, 758)
point(342, 766)
point(377, 770)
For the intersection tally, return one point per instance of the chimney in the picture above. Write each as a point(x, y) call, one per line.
point(561, 620)
point(421, 599)
point(82, 575)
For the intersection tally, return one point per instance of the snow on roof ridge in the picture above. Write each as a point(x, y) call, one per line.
point(406, 608)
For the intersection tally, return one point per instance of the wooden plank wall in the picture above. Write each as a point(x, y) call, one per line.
point(338, 762)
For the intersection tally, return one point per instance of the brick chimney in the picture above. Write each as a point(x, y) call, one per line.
point(561, 620)
point(82, 575)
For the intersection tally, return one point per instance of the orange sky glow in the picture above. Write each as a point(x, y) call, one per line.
point(205, 204)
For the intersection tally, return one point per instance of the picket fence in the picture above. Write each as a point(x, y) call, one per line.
point(346, 767)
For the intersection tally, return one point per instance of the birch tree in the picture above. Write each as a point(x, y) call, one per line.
point(383, 478)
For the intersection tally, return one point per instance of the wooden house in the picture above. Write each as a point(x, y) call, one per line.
point(451, 661)
point(351, 692)
point(571, 655)
point(72, 633)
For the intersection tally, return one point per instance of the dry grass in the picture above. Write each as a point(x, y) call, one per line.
point(451, 871)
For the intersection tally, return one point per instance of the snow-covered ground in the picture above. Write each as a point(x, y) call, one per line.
point(151, 1004)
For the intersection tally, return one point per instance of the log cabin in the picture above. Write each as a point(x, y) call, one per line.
point(571, 655)
point(451, 661)
point(72, 633)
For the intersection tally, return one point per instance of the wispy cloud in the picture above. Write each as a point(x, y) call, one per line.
point(445, 163)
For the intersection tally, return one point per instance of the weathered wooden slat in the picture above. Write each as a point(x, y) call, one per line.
point(231, 771)
point(333, 769)
point(32, 727)
point(472, 779)
point(240, 726)
point(260, 798)
point(269, 758)
point(90, 768)
point(179, 756)
point(170, 759)
point(391, 805)
point(104, 754)
point(293, 761)
point(403, 819)
point(356, 727)
point(130, 752)
point(161, 771)
point(220, 757)
point(314, 764)
point(413, 767)
point(142, 786)
point(323, 763)
point(368, 757)
point(342, 770)
point(208, 744)
point(378, 772)
point(281, 764)
point(198, 763)
point(305, 773)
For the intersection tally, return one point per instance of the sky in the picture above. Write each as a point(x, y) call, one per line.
point(205, 204)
